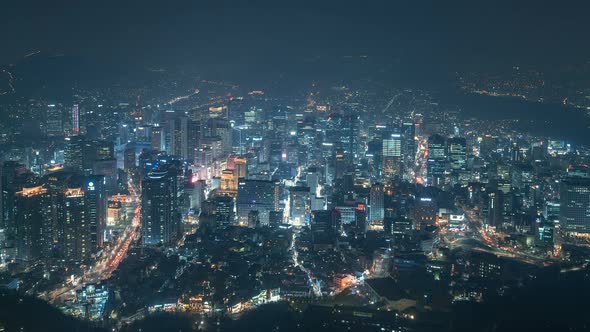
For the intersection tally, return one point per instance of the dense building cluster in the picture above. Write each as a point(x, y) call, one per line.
point(222, 200)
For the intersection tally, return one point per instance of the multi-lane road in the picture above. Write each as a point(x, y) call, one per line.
point(109, 258)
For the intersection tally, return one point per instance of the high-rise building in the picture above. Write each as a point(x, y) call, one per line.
point(129, 157)
point(241, 167)
point(392, 152)
point(376, 207)
point(574, 208)
point(160, 218)
point(257, 195)
point(424, 212)
point(457, 153)
point(224, 210)
point(494, 208)
point(95, 193)
point(34, 225)
point(436, 162)
point(54, 121)
point(408, 140)
point(74, 153)
point(339, 164)
point(322, 227)
point(299, 205)
point(14, 176)
point(182, 137)
point(229, 182)
point(157, 138)
point(76, 244)
point(75, 119)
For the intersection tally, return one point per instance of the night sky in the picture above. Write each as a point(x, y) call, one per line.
point(486, 33)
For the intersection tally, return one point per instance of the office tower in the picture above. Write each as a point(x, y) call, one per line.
point(74, 153)
point(95, 194)
point(375, 155)
point(224, 210)
point(241, 167)
point(99, 150)
point(574, 215)
point(182, 137)
point(75, 119)
point(436, 163)
point(457, 153)
point(401, 228)
point(495, 208)
point(408, 140)
point(14, 176)
point(392, 151)
point(299, 205)
point(54, 121)
point(339, 164)
point(504, 176)
point(274, 146)
point(515, 154)
point(75, 244)
point(194, 135)
point(220, 127)
point(107, 168)
point(424, 212)
point(322, 228)
point(257, 195)
point(229, 182)
point(157, 138)
point(376, 207)
point(160, 218)
point(115, 212)
point(129, 157)
point(176, 137)
point(34, 225)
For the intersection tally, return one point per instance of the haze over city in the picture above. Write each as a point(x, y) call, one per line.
point(294, 166)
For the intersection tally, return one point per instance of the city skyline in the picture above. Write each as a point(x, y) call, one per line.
point(274, 166)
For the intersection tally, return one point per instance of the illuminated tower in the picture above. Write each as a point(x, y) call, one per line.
point(437, 158)
point(53, 121)
point(392, 151)
point(160, 220)
point(75, 119)
point(34, 231)
point(575, 202)
point(376, 211)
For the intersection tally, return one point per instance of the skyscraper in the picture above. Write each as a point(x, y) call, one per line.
point(34, 226)
point(54, 120)
point(257, 195)
point(75, 244)
point(160, 218)
point(299, 205)
point(457, 153)
point(392, 152)
point(157, 136)
point(74, 153)
point(574, 195)
point(75, 119)
point(96, 207)
point(437, 158)
point(376, 210)
point(408, 141)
